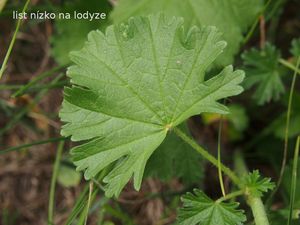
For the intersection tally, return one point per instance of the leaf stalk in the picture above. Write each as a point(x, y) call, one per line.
point(208, 156)
point(231, 195)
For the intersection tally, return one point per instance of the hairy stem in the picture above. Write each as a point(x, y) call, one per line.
point(208, 156)
point(255, 203)
point(258, 210)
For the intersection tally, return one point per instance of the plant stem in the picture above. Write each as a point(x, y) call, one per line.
point(35, 88)
point(231, 195)
point(89, 202)
point(258, 210)
point(289, 65)
point(219, 156)
point(21, 147)
point(11, 45)
point(252, 29)
point(286, 133)
point(53, 183)
point(255, 203)
point(81, 202)
point(82, 219)
point(294, 180)
point(23, 89)
point(208, 156)
point(22, 112)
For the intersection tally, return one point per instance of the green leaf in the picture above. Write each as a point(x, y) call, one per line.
point(67, 176)
point(238, 121)
point(70, 34)
point(132, 85)
point(256, 185)
point(175, 158)
point(238, 117)
point(231, 17)
point(295, 49)
point(263, 71)
point(198, 208)
point(280, 125)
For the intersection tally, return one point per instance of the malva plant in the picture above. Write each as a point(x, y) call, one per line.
point(134, 85)
point(158, 120)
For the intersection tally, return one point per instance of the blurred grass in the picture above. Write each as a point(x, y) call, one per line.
point(19, 115)
point(11, 45)
point(51, 204)
point(2, 4)
point(23, 89)
point(294, 181)
point(26, 146)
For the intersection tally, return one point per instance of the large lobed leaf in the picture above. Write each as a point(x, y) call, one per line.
point(134, 83)
point(231, 17)
point(198, 208)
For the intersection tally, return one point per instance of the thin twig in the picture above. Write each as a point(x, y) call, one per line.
point(262, 29)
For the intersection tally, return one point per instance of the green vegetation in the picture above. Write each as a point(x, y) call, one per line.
point(165, 112)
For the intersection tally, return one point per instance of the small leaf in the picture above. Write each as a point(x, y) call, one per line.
point(134, 83)
point(263, 71)
point(198, 208)
point(256, 185)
